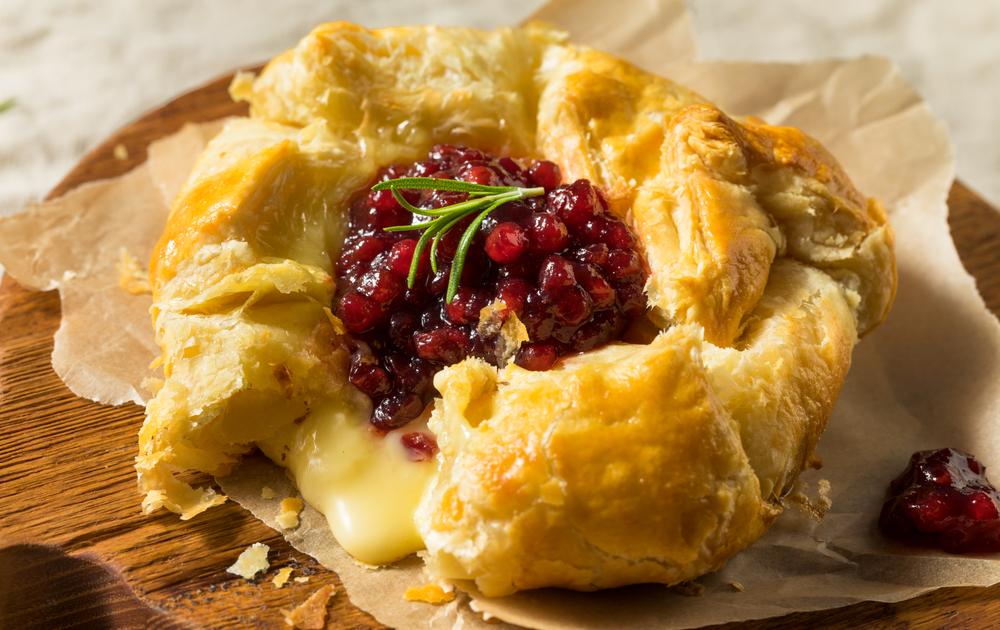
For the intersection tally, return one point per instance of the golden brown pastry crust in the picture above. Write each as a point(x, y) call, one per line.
point(633, 463)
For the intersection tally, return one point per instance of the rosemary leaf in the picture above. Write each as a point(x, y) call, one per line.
point(458, 264)
point(434, 183)
point(482, 201)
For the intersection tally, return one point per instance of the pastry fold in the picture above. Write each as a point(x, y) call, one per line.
point(634, 463)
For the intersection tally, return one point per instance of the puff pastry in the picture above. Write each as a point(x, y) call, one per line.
point(633, 463)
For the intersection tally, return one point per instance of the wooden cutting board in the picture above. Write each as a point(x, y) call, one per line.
point(75, 549)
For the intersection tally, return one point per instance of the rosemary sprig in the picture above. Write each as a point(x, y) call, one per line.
point(482, 201)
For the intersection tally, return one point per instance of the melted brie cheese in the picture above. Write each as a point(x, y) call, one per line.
point(365, 485)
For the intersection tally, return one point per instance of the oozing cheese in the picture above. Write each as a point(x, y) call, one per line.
point(365, 485)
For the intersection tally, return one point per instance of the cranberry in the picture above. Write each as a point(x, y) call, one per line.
point(368, 376)
point(465, 307)
point(420, 447)
point(592, 231)
point(477, 174)
point(565, 266)
point(575, 204)
point(617, 235)
point(439, 198)
point(381, 210)
point(545, 174)
point(514, 212)
point(359, 313)
point(439, 281)
point(596, 254)
point(536, 356)
point(944, 499)
point(381, 285)
point(422, 169)
point(402, 325)
point(512, 169)
point(571, 306)
point(623, 263)
point(547, 233)
point(445, 345)
point(513, 292)
point(556, 273)
point(599, 290)
point(361, 250)
point(396, 410)
point(413, 374)
point(603, 327)
point(401, 257)
point(506, 242)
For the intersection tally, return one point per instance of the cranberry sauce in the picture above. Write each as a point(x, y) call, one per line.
point(569, 269)
point(944, 499)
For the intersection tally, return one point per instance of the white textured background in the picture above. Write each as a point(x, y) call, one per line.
point(78, 69)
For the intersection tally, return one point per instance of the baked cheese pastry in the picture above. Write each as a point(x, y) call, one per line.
point(634, 352)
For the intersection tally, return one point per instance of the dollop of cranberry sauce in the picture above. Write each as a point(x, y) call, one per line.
point(943, 499)
point(569, 269)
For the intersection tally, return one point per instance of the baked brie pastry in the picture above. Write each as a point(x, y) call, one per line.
point(633, 356)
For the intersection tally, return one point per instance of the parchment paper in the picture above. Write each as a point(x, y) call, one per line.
point(929, 377)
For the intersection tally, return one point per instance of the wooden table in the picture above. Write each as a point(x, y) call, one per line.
point(67, 481)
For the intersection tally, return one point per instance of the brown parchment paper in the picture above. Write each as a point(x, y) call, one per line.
point(929, 377)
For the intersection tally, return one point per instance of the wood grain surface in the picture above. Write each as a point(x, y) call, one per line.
point(67, 481)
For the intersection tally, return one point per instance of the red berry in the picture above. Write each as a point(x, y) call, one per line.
point(396, 410)
point(536, 356)
point(545, 174)
point(943, 498)
point(547, 233)
point(359, 313)
point(401, 257)
point(368, 376)
point(571, 306)
point(361, 249)
point(592, 231)
point(402, 325)
point(506, 243)
point(381, 285)
point(513, 292)
point(465, 307)
point(420, 446)
point(477, 174)
point(617, 234)
point(596, 254)
point(600, 291)
point(445, 345)
point(575, 204)
point(622, 264)
point(555, 273)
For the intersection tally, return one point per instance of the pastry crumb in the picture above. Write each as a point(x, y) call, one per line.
point(737, 586)
point(241, 87)
point(496, 321)
point(689, 589)
point(301, 579)
point(816, 507)
point(121, 152)
point(335, 323)
point(428, 594)
point(267, 492)
point(288, 517)
point(281, 577)
point(131, 276)
point(252, 561)
point(311, 614)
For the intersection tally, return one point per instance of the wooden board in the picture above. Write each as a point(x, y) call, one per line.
point(66, 476)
